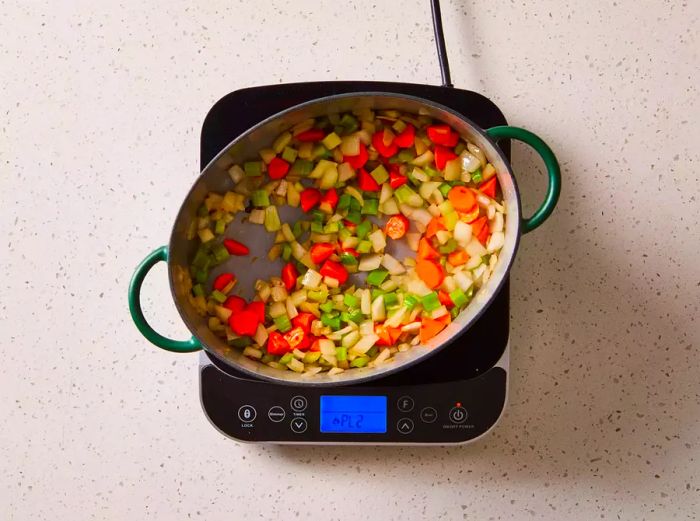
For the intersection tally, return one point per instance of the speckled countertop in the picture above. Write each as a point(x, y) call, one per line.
point(100, 110)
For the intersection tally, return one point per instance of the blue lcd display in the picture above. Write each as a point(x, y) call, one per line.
point(353, 414)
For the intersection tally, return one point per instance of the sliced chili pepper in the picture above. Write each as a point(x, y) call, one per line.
point(366, 182)
point(383, 149)
point(426, 250)
point(442, 135)
point(489, 187)
point(359, 160)
point(313, 135)
point(235, 303)
point(277, 344)
point(244, 323)
point(334, 270)
point(295, 338)
point(321, 251)
point(303, 320)
point(257, 307)
point(406, 137)
point(223, 280)
point(445, 299)
point(396, 180)
point(310, 197)
point(277, 168)
point(442, 156)
point(329, 201)
point(235, 247)
point(289, 276)
point(396, 227)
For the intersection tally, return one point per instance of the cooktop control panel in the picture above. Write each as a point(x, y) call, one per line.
point(442, 413)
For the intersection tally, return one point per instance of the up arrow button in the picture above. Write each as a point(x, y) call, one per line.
point(404, 426)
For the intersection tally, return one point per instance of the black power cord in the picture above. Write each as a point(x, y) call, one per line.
point(440, 43)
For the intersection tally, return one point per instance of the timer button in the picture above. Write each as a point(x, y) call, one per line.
point(247, 413)
point(428, 415)
point(458, 414)
point(276, 414)
point(405, 404)
point(404, 426)
point(298, 403)
point(299, 425)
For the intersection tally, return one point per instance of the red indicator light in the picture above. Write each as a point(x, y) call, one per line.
point(458, 404)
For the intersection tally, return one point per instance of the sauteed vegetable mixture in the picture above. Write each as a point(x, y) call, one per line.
point(363, 181)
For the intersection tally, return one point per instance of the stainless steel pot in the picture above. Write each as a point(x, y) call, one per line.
point(179, 252)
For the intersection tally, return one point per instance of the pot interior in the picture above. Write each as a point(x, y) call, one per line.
point(255, 266)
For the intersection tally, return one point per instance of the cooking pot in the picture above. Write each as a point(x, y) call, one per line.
point(214, 178)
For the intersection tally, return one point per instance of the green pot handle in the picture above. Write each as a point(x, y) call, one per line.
point(550, 161)
point(178, 346)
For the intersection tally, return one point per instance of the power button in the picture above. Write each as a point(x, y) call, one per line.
point(458, 415)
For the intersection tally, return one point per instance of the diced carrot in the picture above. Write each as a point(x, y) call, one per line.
point(470, 216)
point(445, 299)
point(426, 250)
point(462, 198)
point(458, 257)
point(387, 335)
point(431, 327)
point(430, 272)
point(435, 225)
point(489, 187)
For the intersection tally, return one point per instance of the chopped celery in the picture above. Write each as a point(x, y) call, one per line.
point(220, 227)
point(364, 247)
point(444, 189)
point(260, 198)
point(349, 123)
point(360, 361)
point(354, 217)
point(376, 277)
point(320, 295)
point(431, 301)
point(448, 247)
point(253, 168)
point(311, 357)
point(333, 227)
point(348, 259)
point(351, 301)
point(286, 252)
point(372, 351)
point(318, 216)
point(461, 147)
point(201, 259)
point(286, 358)
point(331, 141)
point(272, 219)
point(356, 205)
point(454, 312)
point(353, 315)
point(317, 227)
point(363, 228)
point(321, 152)
point(345, 201)
point(458, 297)
point(283, 323)
point(218, 296)
point(326, 307)
point(451, 219)
point(410, 301)
point(240, 342)
point(344, 234)
point(405, 195)
point(405, 156)
point(220, 253)
point(201, 275)
point(380, 174)
point(297, 229)
point(331, 321)
point(371, 207)
point(341, 353)
point(390, 299)
point(198, 290)
point(431, 171)
point(376, 292)
point(289, 154)
point(301, 168)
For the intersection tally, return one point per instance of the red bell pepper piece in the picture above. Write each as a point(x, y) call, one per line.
point(366, 182)
point(396, 179)
point(359, 160)
point(257, 307)
point(235, 303)
point(406, 137)
point(478, 228)
point(244, 323)
point(334, 270)
point(309, 198)
point(289, 276)
point(442, 135)
point(445, 299)
point(312, 135)
point(489, 187)
point(483, 235)
point(223, 280)
point(235, 247)
point(303, 320)
point(296, 338)
point(277, 168)
point(349, 225)
point(321, 251)
point(329, 201)
point(442, 156)
point(396, 227)
point(384, 150)
point(277, 344)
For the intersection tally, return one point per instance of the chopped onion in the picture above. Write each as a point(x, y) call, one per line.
point(469, 162)
point(411, 327)
point(412, 239)
point(396, 319)
point(495, 242)
point(365, 343)
point(473, 262)
point(311, 279)
point(443, 236)
point(257, 216)
point(427, 188)
point(496, 225)
point(236, 173)
point(378, 240)
point(366, 302)
point(462, 233)
point(331, 282)
point(386, 193)
point(463, 280)
point(475, 249)
point(261, 335)
point(298, 297)
point(369, 262)
point(422, 218)
point(378, 311)
point(367, 327)
point(277, 309)
point(291, 308)
point(350, 145)
point(417, 287)
point(390, 207)
point(335, 370)
point(477, 153)
point(393, 265)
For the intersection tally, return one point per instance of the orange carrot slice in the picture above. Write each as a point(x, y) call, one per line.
point(431, 327)
point(430, 272)
point(462, 198)
point(426, 250)
point(435, 225)
point(458, 257)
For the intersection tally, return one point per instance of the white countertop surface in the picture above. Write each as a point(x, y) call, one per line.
point(100, 110)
